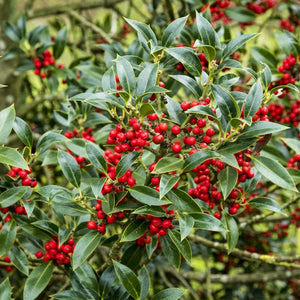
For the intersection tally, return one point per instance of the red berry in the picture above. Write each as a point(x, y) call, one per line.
point(39, 254)
point(91, 225)
point(185, 105)
point(111, 219)
point(157, 139)
point(190, 140)
point(175, 129)
point(176, 148)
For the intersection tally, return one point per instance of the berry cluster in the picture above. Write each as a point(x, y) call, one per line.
point(23, 175)
point(217, 10)
point(261, 115)
point(287, 25)
point(7, 260)
point(43, 62)
point(18, 209)
point(294, 162)
point(105, 219)
point(58, 254)
point(282, 114)
point(290, 74)
point(261, 6)
point(82, 134)
point(156, 227)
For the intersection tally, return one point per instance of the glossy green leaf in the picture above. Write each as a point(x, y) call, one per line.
point(172, 31)
point(49, 138)
point(261, 54)
point(232, 233)
point(23, 131)
point(209, 51)
point(5, 289)
point(236, 44)
point(19, 259)
point(183, 246)
point(96, 157)
point(147, 195)
point(12, 32)
point(146, 109)
point(198, 158)
point(240, 14)
point(207, 222)
point(106, 281)
point(12, 157)
point(146, 79)
point(168, 164)
point(170, 251)
point(274, 172)
point(253, 100)
point(287, 42)
point(126, 162)
point(238, 145)
point(7, 117)
point(134, 230)
point(87, 276)
point(7, 236)
point(188, 58)
point(226, 103)
point(227, 179)
point(189, 83)
point(12, 195)
point(266, 76)
point(265, 203)
point(293, 144)
point(144, 279)
point(166, 184)
point(205, 31)
point(34, 35)
point(85, 247)
point(60, 42)
point(128, 279)
point(69, 168)
point(108, 80)
point(169, 294)
point(152, 246)
point(156, 211)
point(145, 33)
point(183, 201)
point(38, 280)
point(230, 160)
point(47, 226)
point(132, 256)
point(126, 74)
point(175, 110)
point(261, 128)
point(70, 295)
point(186, 224)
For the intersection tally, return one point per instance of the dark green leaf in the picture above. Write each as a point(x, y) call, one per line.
point(126, 162)
point(188, 58)
point(70, 168)
point(186, 224)
point(7, 236)
point(274, 172)
point(182, 245)
point(23, 131)
point(96, 157)
point(146, 109)
point(34, 35)
point(144, 278)
point(265, 203)
point(227, 179)
point(7, 117)
point(175, 111)
point(238, 145)
point(132, 256)
point(232, 233)
point(226, 103)
point(126, 74)
point(287, 42)
point(147, 195)
point(106, 281)
point(12, 32)
point(170, 251)
point(19, 259)
point(5, 289)
point(168, 164)
point(71, 295)
point(236, 44)
point(156, 211)
point(47, 139)
point(128, 279)
point(166, 184)
point(169, 294)
point(240, 14)
point(261, 128)
point(172, 31)
point(205, 31)
point(108, 80)
point(189, 83)
point(38, 280)
point(60, 43)
point(146, 79)
point(207, 222)
point(152, 246)
point(134, 230)
point(12, 195)
point(293, 144)
point(21, 24)
point(47, 226)
point(198, 158)
point(87, 276)
point(253, 100)
point(85, 247)
point(266, 76)
point(183, 201)
point(12, 157)
point(263, 55)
